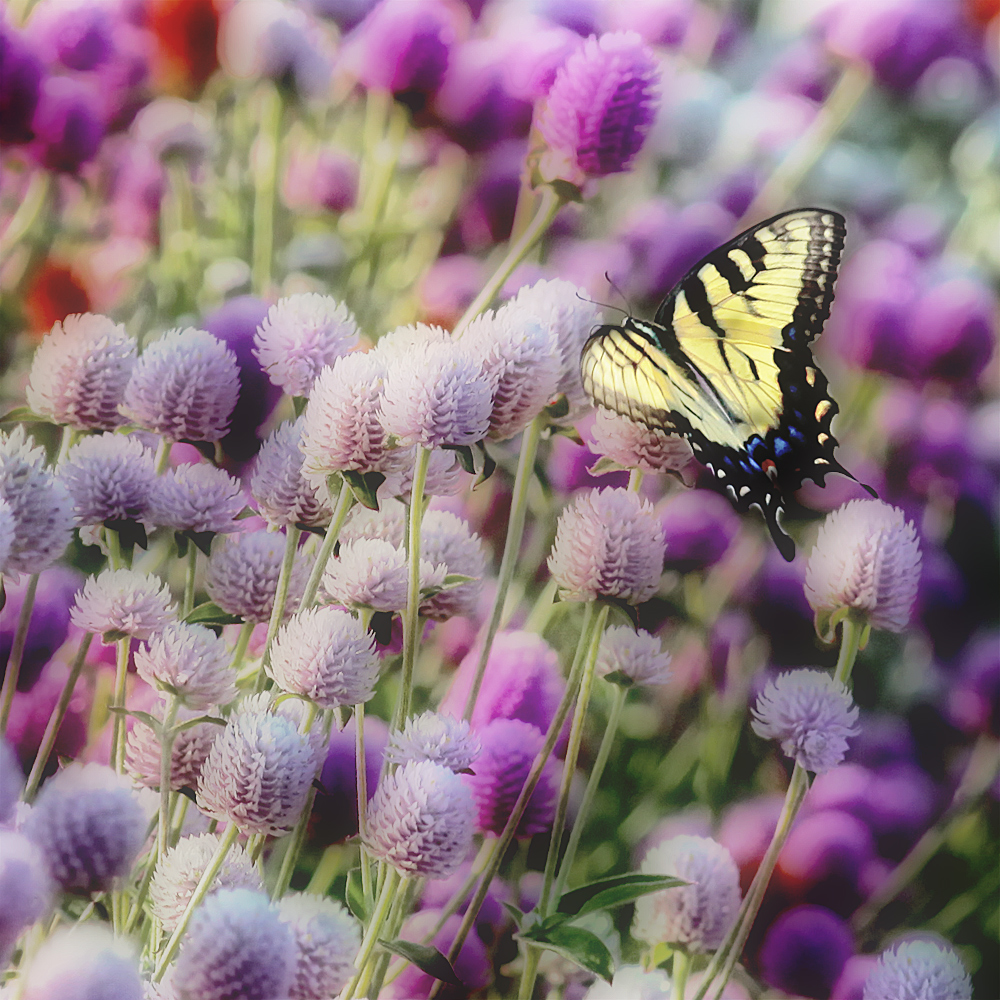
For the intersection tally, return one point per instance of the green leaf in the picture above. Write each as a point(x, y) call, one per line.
point(628, 610)
point(620, 678)
point(181, 541)
point(566, 190)
point(245, 513)
point(558, 408)
point(580, 946)
point(202, 540)
point(313, 529)
point(113, 635)
point(188, 723)
point(355, 896)
point(465, 456)
point(425, 958)
point(130, 531)
point(299, 404)
point(24, 415)
point(614, 891)
point(210, 613)
point(489, 465)
point(3, 593)
point(516, 914)
point(364, 486)
point(603, 466)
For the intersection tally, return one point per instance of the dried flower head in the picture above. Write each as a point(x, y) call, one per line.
point(919, 970)
point(25, 887)
point(696, 916)
point(188, 754)
point(300, 336)
point(421, 820)
point(636, 446)
point(184, 386)
point(867, 561)
point(447, 540)
point(609, 543)
point(121, 602)
point(283, 493)
point(327, 938)
point(632, 657)
point(79, 372)
point(180, 869)
point(432, 736)
point(109, 476)
point(197, 497)
point(190, 661)
point(811, 714)
point(89, 825)
point(327, 656)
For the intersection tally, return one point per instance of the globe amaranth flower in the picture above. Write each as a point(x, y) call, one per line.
point(11, 780)
point(636, 446)
point(79, 372)
point(19, 86)
point(433, 736)
point(327, 656)
point(259, 771)
point(445, 539)
point(25, 886)
point(609, 543)
point(811, 714)
point(327, 939)
point(8, 532)
point(698, 528)
point(632, 657)
point(121, 602)
point(421, 820)
point(236, 946)
point(37, 501)
point(197, 497)
point(181, 868)
point(600, 108)
point(632, 981)
point(243, 571)
point(68, 124)
point(387, 523)
point(696, 916)
point(804, 951)
point(300, 336)
point(89, 825)
point(190, 661)
point(184, 386)
point(919, 970)
point(444, 474)
point(509, 748)
point(110, 477)
point(143, 750)
point(866, 561)
point(284, 495)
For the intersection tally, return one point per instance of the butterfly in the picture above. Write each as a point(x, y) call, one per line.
point(726, 363)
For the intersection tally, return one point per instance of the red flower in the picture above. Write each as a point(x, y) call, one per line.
point(186, 33)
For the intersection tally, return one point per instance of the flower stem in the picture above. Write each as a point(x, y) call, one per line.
point(635, 478)
point(265, 180)
point(167, 735)
point(345, 500)
point(280, 599)
point(161, 461)
point(850, 642)
point(13, 670)
point(385, 899)
point(190, 568)
point(242, 642)
point(679, 974)
point(66, 441)
point(361, 771)
point(29, 210)
point(118, 700)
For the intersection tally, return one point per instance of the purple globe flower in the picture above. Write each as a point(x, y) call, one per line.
point(190, 661)
point(76, 34)
point(636, 446)
point(918, 969)
point(143, 750)
point(121, 602)
point(11, 780)
point(20, 84)
point(804, 951)
point(26, 887)
point(284, 494)
point(698, 527)
point(197, 497)
point(67, 123)
point(433, 736)
point(632, 657)
point(327, 939)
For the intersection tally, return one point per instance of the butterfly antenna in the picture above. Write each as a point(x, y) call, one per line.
point(603, 305)
point(621, 294)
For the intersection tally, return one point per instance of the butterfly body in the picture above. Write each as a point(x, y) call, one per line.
point(726, 362)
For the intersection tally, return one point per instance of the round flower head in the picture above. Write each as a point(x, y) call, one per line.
point(181, 868)
point(919, 970)
point(89, 824)
point(11, 780)
point(184, 386)
point(109, 476)
point(243, 572)
point(440, 738)
point(444, 474)
point(8, 530)
point(188, 754)
point(629, 657)
point(258, 772)
point(38, 503)
point(284, 495)
point(236, 946)
point(811, 714)
point(300, 336)
point(122, 602)
point(446, 539)
point(420, 820)
point(327, 656)
point(437, 394)
point(83, 963)
point(68, 123)
point(79, 372)
point(696, 916)
point(804, 951)
point(327, 938)
point(632, 981)
point(509, 749)
point(402, 341)
point(387, 523)
point(19, 86)
point(609, 543)
point(599, 109)
point(866, 560)
point(636, 446)
point(197, 497)
point(190, 661)
point(25, 887)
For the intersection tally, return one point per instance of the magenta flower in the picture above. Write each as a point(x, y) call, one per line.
point(110, 477)
point(197, 497)
point(19, 85)
point(327, 938)
point(68, 124)
point(283, 494)
point(190, 661)
point(120, 602)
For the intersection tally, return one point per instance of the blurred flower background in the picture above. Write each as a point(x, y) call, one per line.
point(249, 195)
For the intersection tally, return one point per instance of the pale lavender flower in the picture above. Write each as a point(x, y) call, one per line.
point(632, 657)
point(636, 446)
point(242, 574)
point(433, 736)
point(122, 602)
point(180, 869)
point(387, 523)
point(197, 497)
point(696, 916)
point(39, 503)
point(26, 889)
point(300, 336)
point(609, 543)
point(284, 495)
point(811, 714)
point(79, 372)
point(437, 394)
point(187, 755)
point(259, 771)
point(402, 341)
point(84, 962)
point(191, 661)
point(327, 656)
point(866, 560)
point(421, 820)
point(919, 970)
point(446, 539)
point(89, 825)
point(236, 946)
point(599, 109)
point(327, 938)
point(8, 532)
point(11, 780)
point(444, 474)
point(184, 386)
point(634, 982)
point(110, 477)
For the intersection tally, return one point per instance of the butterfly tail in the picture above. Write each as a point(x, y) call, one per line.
point(772, 512)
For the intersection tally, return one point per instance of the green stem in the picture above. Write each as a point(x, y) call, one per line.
point(141, 893)
point(13, 670)
point(118, 722)
point(114, 543)
point(292, 534)
point(511, 548)
point(345, 500)
point(191, 568)
point(30, 209)
point(361, 770)
point(161, 462)
point(850, 643)
point(385, 900)
point(326, 871)
point(401, 907)
point(242, 642)
point(265, 180)
point(635, 478)
point(167, 735)
point(66, 441)
point(679, 974)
